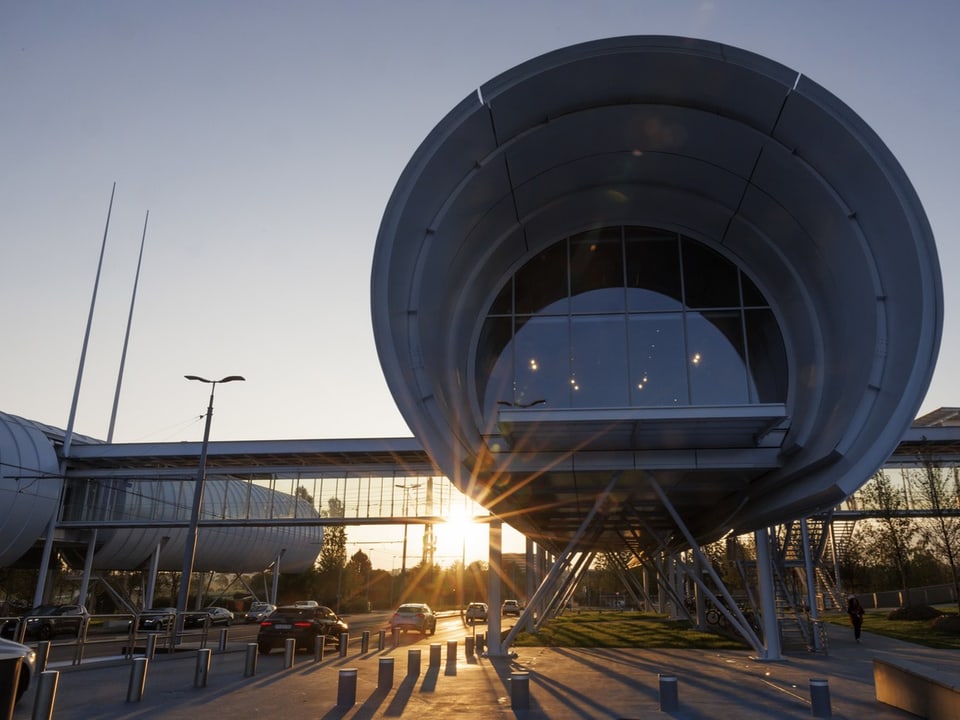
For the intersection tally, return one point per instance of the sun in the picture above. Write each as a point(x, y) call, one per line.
point(460, 538)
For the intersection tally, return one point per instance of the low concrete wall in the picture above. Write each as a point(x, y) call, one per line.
point(927, 595)
point(918, 689)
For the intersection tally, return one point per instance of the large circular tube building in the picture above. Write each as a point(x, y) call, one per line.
point(661, 266)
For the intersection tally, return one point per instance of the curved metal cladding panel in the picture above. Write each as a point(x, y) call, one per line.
point(30, 486)
point(718, 144)
point(242, 548)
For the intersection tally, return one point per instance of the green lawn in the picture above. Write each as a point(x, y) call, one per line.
point(915, 631)
point(623, 629)
point(650, 630)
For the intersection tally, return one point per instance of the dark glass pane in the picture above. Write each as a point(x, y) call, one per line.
point(494, 371)
point(653, 270)
point(710, 280)
point(768, 356)
point(658, 374)
point(543, 362)
point(541, 284)
point(503, 302)
point(598, 361)
point(752, 297)
point(596, 271)
point(715, 359)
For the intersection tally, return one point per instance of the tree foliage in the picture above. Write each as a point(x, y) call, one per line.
point(893, 536)
point(937, 490)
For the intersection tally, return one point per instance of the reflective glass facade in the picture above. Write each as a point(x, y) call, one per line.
point(629, 317)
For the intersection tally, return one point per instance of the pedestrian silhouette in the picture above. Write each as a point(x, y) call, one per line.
point(855, 611)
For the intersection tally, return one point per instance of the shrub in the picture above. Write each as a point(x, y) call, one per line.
point(946, 625)
point(914, 612)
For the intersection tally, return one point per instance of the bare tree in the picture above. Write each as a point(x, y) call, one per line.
point(936, 491)
point(895, 533)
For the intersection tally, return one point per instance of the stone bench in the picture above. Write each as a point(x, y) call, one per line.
point(918, 689)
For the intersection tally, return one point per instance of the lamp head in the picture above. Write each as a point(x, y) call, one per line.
point(229, 378)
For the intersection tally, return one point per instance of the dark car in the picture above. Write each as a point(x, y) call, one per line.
point(414, 616)
point(47, 621)
point(28, 663)
point(157, 619)
point(215, 616)
point(303, 624)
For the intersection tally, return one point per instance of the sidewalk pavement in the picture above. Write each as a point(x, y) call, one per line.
point(563, 683)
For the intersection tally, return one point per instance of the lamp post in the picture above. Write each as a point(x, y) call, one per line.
point(366, 592)
point(403, 564)
point(190, 548)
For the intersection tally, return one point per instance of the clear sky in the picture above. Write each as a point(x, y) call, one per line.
point(265, 139)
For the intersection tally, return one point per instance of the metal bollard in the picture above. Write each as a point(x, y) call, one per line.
point(480, 639)
point(413, 662)
point(669, 697)
point(344, 641)
point(43, 655)
point(434, 655)
point(138, 679)
point(10, 666)
point(385, 674)
point(347, 688)
point(222, 645)
point(468, 646)
point(381, 639)
point(46, 695)
point(820, 698)
point(202, 670)
point(365, 641)
point(289, 650)
point(451, 651)
point(520, 691)
point(396, 637)
point(319, 647)
point(151, 648)
point(250, 661)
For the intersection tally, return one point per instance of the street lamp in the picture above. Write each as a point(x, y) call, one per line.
point(403, 565)
point(190, 549)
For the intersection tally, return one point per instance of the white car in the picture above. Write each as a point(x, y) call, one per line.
point(476, 612)
point(414, 616)
point(510, 607)
point(28, 663)
point(258, 612)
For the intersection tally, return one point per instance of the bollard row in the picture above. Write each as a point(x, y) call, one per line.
point(347, 681)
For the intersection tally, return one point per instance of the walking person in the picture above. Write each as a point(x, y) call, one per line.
point(855, 611)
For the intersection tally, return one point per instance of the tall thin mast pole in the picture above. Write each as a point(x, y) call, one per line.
point(126, 337)
point(68, 436)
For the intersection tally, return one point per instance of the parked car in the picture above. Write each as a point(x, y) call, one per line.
point(157, 619)
point(28, 663)
point(216, 616)
point(476, 612)
point(510, 607)
point(258, 612)
point(414, 616)
point(303, 624)
point(47, 621)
